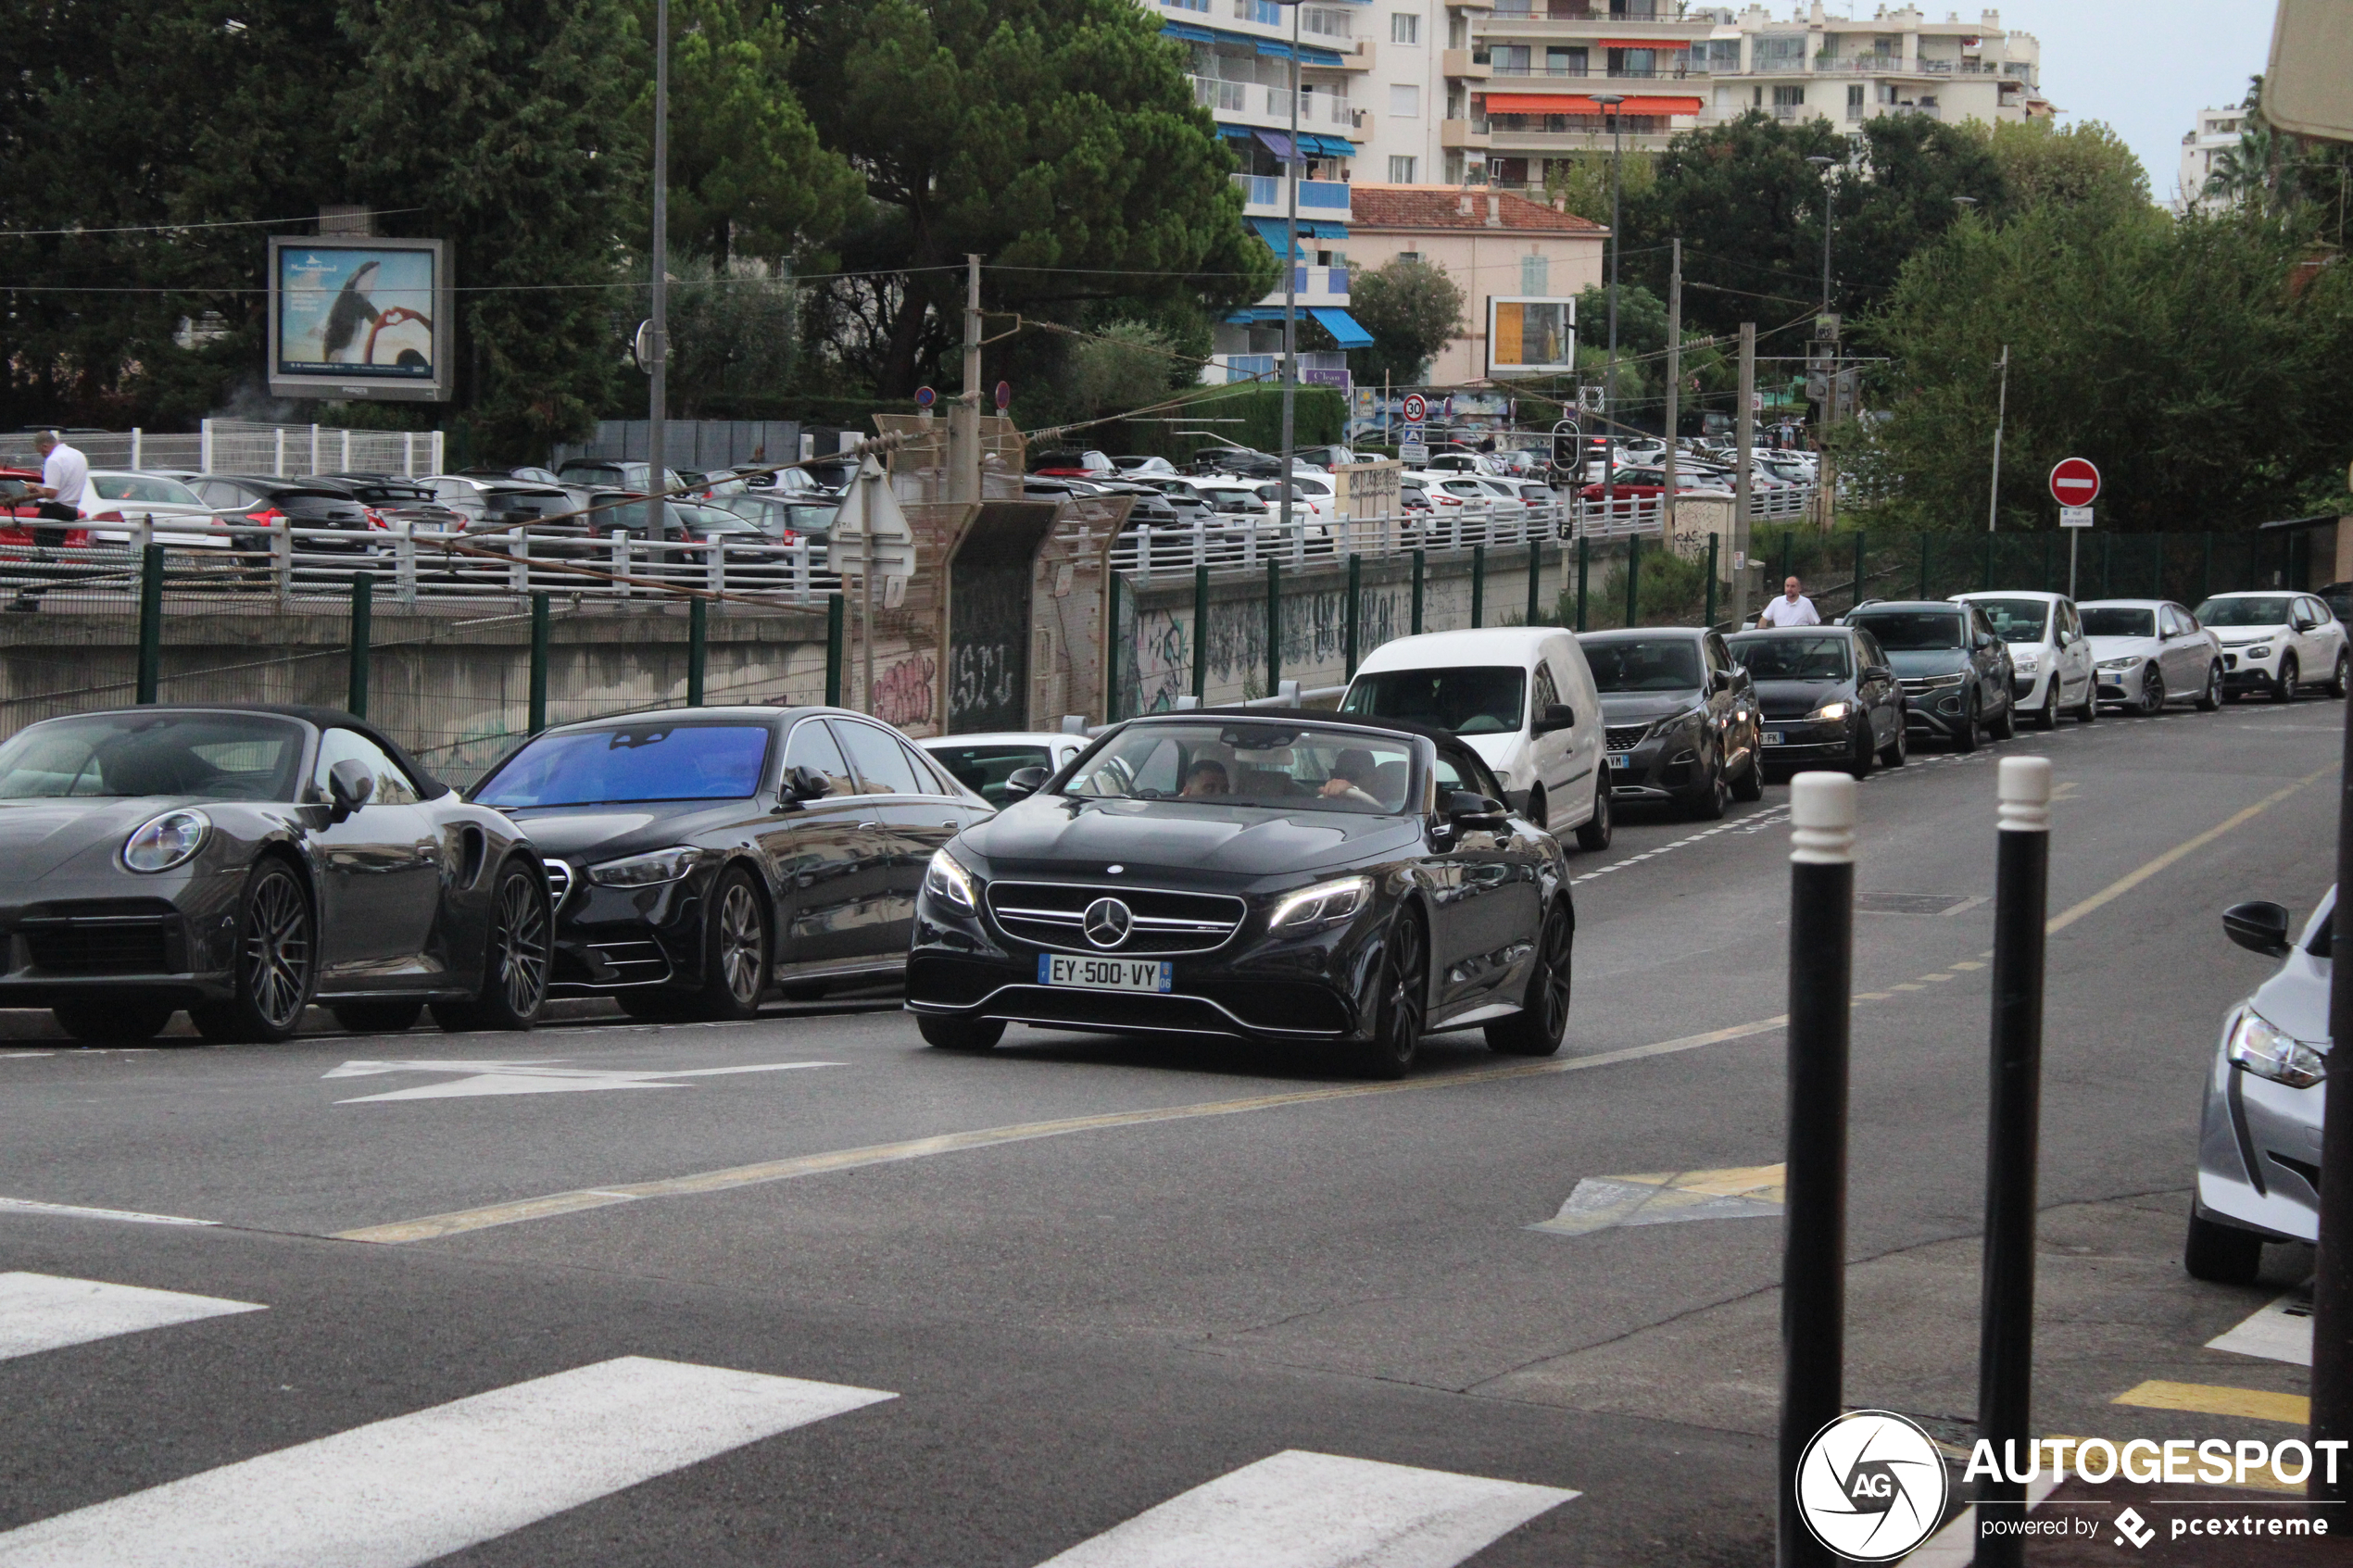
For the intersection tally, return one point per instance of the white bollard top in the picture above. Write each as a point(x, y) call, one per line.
point(2023, 787)
point(1821, 816)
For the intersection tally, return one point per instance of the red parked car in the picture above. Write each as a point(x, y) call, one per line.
point(24, 511)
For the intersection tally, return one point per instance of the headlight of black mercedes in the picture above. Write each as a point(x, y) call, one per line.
point(948, 881)
point(1319, 908)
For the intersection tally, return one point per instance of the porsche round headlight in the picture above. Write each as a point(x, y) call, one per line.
point(166, 841)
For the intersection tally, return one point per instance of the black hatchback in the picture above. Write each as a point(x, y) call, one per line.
point(1828, 697)
point(259, 498)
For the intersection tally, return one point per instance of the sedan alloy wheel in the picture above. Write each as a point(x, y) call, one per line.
point(1542, 1020)
point(1405, 992)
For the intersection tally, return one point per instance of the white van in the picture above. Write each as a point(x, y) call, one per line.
point(1522, 697)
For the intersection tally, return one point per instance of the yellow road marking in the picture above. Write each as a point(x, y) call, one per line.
point(1906, 985)
point(2204, 1399)
point(1939, 979)
point(433, 1225)
point(1969, 963)
point(1873, 996)
point(2125, 884)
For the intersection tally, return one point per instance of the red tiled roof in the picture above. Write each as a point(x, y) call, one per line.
point(1440, 208)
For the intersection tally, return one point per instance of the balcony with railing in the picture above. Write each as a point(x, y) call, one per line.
point(1262, 196)
point(1268, 108)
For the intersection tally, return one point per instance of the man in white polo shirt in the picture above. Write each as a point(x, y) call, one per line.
point(65, 484)
point(1793, 608)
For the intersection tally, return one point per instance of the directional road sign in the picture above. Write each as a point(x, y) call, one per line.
point(2075, 482)
point(871, 509)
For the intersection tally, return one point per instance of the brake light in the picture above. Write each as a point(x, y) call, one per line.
point(267, 515)
point(105, 517)
point(375, 518)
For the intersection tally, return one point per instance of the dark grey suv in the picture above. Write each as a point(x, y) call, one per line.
point(1956, 674)
point(1679, 718)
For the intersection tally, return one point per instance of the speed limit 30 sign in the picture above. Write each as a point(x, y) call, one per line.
point(2075, 482)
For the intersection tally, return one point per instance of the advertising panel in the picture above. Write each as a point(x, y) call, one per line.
point(359, 318)
point(1530, 336)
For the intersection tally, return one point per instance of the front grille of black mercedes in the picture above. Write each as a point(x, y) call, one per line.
point(90, 944)
point(1050, 914)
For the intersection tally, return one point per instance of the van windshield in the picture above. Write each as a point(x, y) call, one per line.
point(1479, 700)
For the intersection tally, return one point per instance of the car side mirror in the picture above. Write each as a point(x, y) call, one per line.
point(2259, 927)
point(1877, 673)
point(1556, 716)
point(349, 783)
point(1468, 809)
point(1023, 782)
point(803, 783)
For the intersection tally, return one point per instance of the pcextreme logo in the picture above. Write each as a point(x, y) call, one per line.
point(1871, 1485)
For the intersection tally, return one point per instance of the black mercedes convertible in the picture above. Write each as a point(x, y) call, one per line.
point(1283, 878)
point(245, 863)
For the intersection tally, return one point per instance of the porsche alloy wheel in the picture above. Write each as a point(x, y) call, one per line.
point(517, 954)
point(276, 966)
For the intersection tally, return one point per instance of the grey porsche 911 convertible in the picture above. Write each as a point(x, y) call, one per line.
point(245, 863)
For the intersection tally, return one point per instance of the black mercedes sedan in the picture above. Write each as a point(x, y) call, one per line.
point(1679, 718)
point(703, 857)
point(1306, 879)
point(1828, 697)
point(245, 863)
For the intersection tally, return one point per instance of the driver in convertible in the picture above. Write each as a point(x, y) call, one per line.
point(1352, 778)
point(1206, 778)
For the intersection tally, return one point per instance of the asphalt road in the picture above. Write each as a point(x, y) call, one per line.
point(491, 1295)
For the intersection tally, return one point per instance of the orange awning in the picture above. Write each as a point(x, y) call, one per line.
point(1573, 103)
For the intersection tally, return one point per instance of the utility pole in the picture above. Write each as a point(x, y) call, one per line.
point(1825, 469)
point(1290, 288)
point(1674, 373)
point(1744, 432)
point(2001, 417)
point(964, 418)
point(657, 402)
point(1609, 103)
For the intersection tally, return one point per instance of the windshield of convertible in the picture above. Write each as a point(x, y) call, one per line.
point(629, 763)
point(1791, 659)
point(1290, 766)
point(208, 756)
point(1643, 664)
point(1479, 700)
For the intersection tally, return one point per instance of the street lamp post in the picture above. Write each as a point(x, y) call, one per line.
point(658, 335)
point(1824, 164)
point(1290, 292)
point(1825, 476)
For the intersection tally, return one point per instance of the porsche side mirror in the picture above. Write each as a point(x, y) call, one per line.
point(1468, 809)
point(803, 783)
point(1023, 782)
point(1556, 716)
point(2259, 927)
point(349, 783)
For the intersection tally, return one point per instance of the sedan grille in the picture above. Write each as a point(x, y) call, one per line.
point(1050, 915)
point(1625, 737)
point(137, 944)
point(1915, 685)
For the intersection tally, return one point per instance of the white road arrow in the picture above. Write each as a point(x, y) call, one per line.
point(541, 1076)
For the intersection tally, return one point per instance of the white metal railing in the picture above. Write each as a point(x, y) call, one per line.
point(1219, 96)
point(411, 565)
point(245, 447)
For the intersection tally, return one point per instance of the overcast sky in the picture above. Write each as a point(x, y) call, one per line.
point(2146, 67)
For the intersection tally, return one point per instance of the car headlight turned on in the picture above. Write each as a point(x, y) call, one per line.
point(647, 870)
point(166, 841)
point(2266, 1050)
point(1830, 712)
point(1327, 903)
point(946, 880)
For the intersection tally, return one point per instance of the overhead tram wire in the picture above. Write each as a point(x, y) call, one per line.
point(180, 228)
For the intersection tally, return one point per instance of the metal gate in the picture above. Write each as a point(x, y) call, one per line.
point(988, 594)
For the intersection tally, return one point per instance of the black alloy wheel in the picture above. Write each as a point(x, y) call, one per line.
point(1542, 1020)
point(2341, 683)
point(2285, 688)
point(2152, 692)
point(1592, 833)
point(276, 962)
point(734, 950)
point(960, 1034)
point(516, 958)
point(388, 1016)
point(1750, 785)
point(2210, 697)
point(1896, 753)
point(1861, 754)
point(98, 1018)
point(1403, 1002)
point(1964, 738)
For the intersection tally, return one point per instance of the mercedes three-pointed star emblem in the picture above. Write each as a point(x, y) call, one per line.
point(1107, 922)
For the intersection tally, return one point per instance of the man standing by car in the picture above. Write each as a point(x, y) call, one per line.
point(65, 479)
point(1794, 608)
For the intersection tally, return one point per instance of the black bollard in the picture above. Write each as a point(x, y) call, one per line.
point(1821, 943)
point(2006, 1330)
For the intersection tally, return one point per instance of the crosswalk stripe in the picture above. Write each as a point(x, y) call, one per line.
point(1300, 1510)
point(400, 1492)
point(46, 1312)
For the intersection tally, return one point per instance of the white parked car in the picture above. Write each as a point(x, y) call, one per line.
point(1522, 697)
point(2151, 652)
point(2051, 656)
point(118, 498)
point(2274, 641)
point(982, 763)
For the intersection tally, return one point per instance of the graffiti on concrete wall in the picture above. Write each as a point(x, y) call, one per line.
point(1163, 663)
point(902, 693)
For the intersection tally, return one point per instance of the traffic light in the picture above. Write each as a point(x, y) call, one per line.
point(1564, 445)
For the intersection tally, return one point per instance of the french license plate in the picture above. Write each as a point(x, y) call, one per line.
point(1106, 974)
point(1773, 737)
point(1619, 761)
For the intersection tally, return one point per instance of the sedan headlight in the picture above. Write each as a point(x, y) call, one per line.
point(2118, 663)
point(166, 841)
point(2026, 663)
point(2260, 650)
point(1938, 683)
point(1327, 903)
point(1830, 712)
point(647, 870)
point(946, 880)
point(2264, 1049)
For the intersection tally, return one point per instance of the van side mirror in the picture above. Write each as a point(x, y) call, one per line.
point(349, 783)
point(1556, 716)
point(2259, 927)
point(1025, 782)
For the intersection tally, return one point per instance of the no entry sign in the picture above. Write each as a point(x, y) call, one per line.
point(2075, 482)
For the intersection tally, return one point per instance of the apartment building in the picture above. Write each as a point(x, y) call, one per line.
point(1485, 91)
point(2217, 132)
point(1240, 64)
